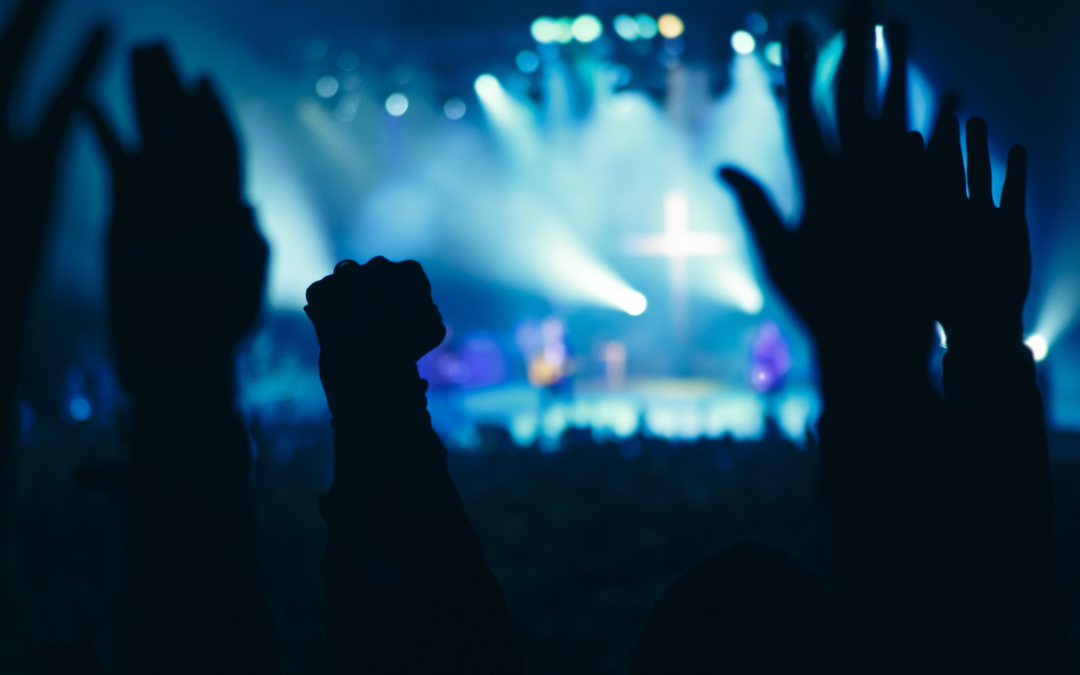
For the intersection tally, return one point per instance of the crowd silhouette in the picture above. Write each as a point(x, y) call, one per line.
point(939, 507)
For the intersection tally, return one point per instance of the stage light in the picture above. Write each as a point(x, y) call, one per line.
point(633, 303)
point(742, 42)
point(1038, 346)
point(626, 27)
point(943, 339)
point(586, 28)
point(756, 23)
point(454, 108)
point(487, 87)
point(646, 26)
point(564, 31)
point(543, 30)
point(879, 37)
point(347, 107)
point(397, 104)
point(670, 26)
point(327, 86)
point(1059, 308)
point(527, 61)
point(774, 54)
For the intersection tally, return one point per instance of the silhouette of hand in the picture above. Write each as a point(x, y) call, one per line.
point(985, 265)
point(855, 270)
point(186, 262)
point(370, 320)
point(28, 164)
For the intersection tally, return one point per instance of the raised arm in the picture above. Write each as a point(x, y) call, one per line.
point(186, 270)
point(407, 587)
point(28, 166)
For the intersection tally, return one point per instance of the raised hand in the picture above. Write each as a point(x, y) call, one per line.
point(28, 163)
point(371, 320)
point(186, 263)
point(856, 267)
point(985, 263)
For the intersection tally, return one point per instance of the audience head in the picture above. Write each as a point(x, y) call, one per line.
point(749, 609)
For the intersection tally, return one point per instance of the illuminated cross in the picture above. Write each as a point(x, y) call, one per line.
point(678, 243)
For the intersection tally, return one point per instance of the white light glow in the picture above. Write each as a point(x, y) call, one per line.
point(586, 28)
point(397, 104)
point(563, 30)
point(943, 339)
point(626, 27)
point(543, 30)
point(1038, 346)
point(1059, 307)
point(487, 87)
point(743, 42)
point(879, 37)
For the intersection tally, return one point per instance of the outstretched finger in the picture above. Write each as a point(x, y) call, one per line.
point(1014, 193)
point(110, 142)
point(980, 188)
point(15, 43)
point(851, 90)
point(804, 127)
point(894, 110)
point(159, 95)
point(772, 237)
point(61, 108)
point(944, 152)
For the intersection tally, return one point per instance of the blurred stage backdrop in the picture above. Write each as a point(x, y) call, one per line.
point(624, 391)
point(554, 169)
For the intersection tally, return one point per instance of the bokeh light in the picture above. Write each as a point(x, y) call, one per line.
point(397, 104)
point(527, 61)
point(774, 54)
point(586, 28)
point(626, 27)
point(454, 108)
point(756, 23)
point(670, 26)
point(327, 86)
point(543, 30)
point(646, 26)
point(742, 42)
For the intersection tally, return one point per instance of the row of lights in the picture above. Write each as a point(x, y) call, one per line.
point(587, 28)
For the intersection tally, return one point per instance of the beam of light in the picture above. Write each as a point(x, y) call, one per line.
point(512, 121)
point(670, 26)
point(882, 53)
point(1059, 308)
point(299, 251)
point(586, 28)
point(823, 88)
point(743, 42)
point(921, 102)
point(1038, 346)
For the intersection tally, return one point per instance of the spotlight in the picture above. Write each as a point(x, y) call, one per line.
point(742, 42)
point(1038, 346)
point(879, 37)
point(670, 26)
point(487, 86)
point(586, 28)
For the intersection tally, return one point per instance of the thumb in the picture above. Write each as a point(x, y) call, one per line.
point(772, 237)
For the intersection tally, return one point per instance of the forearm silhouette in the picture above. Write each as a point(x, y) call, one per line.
point(28, 167)
point(407, 587)
point(903, 472)
point(185, 278)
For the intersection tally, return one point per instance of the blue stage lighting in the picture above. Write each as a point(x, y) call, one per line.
point(454, 108)
point(742, 42)
point(397, 104)
point(586, 28)
point(774, 54)
point(626, 27)
point(527, 61)
point(327, 86)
